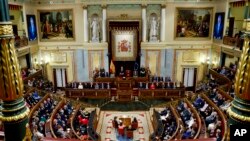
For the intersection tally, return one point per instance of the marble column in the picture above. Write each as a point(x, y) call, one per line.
point(144, 23)
point(104, 18)
point(85, 24)
point(14, 113)
point(163, 23)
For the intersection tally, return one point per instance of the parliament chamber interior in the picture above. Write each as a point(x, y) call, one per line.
point(124, 70)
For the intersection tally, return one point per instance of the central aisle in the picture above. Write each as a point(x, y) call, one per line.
point(107, 132)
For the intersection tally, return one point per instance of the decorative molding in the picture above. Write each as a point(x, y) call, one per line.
point(58, 57)
point(191, 56)
point(87, 46)
point(164, 45)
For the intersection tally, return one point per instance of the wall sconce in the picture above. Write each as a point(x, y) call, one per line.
point(205, 61)
point(246, 24)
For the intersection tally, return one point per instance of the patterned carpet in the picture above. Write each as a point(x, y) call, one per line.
point(108, 133)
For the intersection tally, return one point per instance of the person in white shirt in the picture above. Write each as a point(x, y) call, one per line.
point(80, 86)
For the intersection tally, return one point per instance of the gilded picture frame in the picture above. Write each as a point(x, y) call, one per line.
point(193, 23)
point(124, 45)
point(56, 25)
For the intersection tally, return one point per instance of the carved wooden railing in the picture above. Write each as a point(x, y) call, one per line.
point(177, 122)
point(221, 79)
point(38, 105)
point(34, 75)
point(72, 117)
point(161, 93)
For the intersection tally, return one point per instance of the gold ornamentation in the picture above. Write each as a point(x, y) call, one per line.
point(28, 134)
point(6, 29)
point(11, 85)
point(242, 79)
point(15, 118)
point(237, 116)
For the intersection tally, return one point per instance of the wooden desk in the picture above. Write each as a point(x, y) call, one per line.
point(126, 121)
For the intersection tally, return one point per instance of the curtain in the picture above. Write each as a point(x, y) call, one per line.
point(59, 77)
point(188, 77)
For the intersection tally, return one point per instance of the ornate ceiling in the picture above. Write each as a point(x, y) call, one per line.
point(111, 1)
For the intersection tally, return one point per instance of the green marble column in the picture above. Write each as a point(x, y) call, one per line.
point(14, 113)
point(239, 112)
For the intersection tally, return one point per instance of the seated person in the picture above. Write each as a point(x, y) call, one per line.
point(36, 96)
point(213, 94)
point(223, 71)
point(186, 114)
point(199, 102)
point(187, 134)
point(225, 105)
point(211, 118)
point(122, 73)
point(180, 107)
point(80, 86)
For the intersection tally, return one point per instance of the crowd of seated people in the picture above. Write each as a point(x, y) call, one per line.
point(206, 85)
point(188, 119)
point(40, 117)
point(219, 100)
point(60, 122)
point(229, 71)
point(32, 99)
point(169, 123)
point(27, 72)
point(41, 83)
point(81, 123)
point(88, 85)
point(210, 115)
point(159, 85)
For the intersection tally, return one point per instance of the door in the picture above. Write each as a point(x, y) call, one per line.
point(189, 78)
point(60, 77)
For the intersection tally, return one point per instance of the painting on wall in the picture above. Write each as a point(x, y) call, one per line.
point(124, 45)
point(31, 25)
point(56, 25)
point(219, 25)
point(193, 23)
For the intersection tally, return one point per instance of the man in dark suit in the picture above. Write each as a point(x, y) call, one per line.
point(218, 28)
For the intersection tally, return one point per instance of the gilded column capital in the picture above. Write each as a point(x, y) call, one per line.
point(163, 6)
point(242, 79)
point(11, 85)
point(6, 29)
